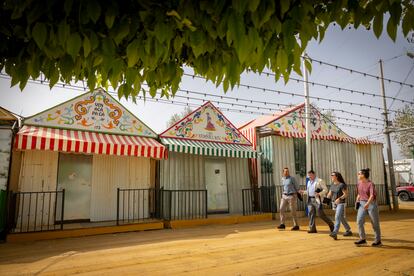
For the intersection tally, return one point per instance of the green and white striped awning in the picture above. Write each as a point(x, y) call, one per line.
point(209, 148)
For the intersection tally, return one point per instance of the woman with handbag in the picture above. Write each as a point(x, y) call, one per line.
point(338, 193)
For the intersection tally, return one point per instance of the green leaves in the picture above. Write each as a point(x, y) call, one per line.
point(150, 41)
point(73, 45)
point(377, 24)
point(39, 33)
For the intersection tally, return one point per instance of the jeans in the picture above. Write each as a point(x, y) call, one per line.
point(291, 200)
point(315, 207)
point(374, 216)
point(340, 218)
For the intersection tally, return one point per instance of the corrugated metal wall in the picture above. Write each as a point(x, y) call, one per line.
point(237, 179)
point(38, 171)
point(110, 173)
point(327, 156)
point(186, 172)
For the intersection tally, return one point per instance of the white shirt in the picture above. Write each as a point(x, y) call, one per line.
point(311, 186)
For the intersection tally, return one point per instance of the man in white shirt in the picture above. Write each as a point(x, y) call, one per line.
point(316, 190)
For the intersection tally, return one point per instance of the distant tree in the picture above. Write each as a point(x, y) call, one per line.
point(178, 116)
point(404, 139)
point(330, 115)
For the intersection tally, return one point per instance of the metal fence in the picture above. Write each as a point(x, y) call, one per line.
point(135, 205)
point(35, 211)
point(267, 199)
point(182, 204)
point(259, 200)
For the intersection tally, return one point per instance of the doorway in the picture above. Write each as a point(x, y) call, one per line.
point(216, 185)
point(75, 176)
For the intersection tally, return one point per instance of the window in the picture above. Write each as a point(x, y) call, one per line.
point(299, 147)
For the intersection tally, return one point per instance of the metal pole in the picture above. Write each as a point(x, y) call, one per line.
point(388, 142)
point(307, 118)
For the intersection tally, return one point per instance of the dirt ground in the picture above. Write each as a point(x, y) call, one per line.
point(243, 249)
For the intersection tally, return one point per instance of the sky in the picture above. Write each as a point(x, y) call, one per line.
point(357, 49)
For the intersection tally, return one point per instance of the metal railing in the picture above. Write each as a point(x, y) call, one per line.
point(36, 211)
point(266, 199)
point(183, 204)
point(135, 205)
point(259, 200)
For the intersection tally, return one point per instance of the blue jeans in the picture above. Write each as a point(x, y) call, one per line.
point(340, 218)
point(374, 216)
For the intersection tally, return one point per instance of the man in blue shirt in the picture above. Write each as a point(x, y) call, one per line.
point(289, 196)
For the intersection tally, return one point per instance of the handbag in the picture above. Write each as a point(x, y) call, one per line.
point(357, 205)
point(327, 201)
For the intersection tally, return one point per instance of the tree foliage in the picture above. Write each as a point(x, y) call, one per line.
point(178, 116)
point(129, 43)
point(404, 119)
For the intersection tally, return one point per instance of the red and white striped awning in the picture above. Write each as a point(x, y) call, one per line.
point(63, 140)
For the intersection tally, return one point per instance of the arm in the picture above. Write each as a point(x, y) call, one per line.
point(345, 195)
point(329, 194)
point(324, 188)
point(371, 197)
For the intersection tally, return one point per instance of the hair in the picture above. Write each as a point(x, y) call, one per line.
point(311, 171)
point(285, 168)
point(339, 177)
point(365, 172)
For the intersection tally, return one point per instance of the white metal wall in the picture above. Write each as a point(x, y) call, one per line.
point(110, 173)
point(186, 172)
point(38, 171)
point(237, 179)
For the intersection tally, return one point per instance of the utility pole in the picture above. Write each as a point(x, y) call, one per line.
point(307, 118)
point(388, 142)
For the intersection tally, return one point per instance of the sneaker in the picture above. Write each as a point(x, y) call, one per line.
point(295, 228)
point(348, 234)
point(333, 236)
point(312, 231)
point(377, 243)
point(360, 242)
point(282, 226)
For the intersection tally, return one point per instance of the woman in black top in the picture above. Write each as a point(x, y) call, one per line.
point(338, 194)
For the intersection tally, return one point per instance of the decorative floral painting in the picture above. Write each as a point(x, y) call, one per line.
point(206, 123)
point(96, 111)
point(293, 125)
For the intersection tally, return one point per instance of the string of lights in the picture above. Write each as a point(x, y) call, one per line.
point(341, 89)
point(301, 95)
point(220, 103)
point(402, 83)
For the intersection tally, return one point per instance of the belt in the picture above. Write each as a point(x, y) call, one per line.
point(311, 196)
point(288, 194)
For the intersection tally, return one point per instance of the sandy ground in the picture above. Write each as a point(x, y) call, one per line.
point(244, 249)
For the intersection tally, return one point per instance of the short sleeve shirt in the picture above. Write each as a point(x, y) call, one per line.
point(337, 191)
point(365, 190)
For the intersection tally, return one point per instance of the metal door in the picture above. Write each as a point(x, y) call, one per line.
point(216, 185)
point(75, 175)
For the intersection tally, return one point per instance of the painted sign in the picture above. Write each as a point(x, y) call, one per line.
point(206, 123)
point(293, 125)
point(96, 111)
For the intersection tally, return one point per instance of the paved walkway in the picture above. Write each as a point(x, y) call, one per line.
point(244, 249)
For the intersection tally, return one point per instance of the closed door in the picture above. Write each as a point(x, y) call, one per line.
point(75, 175)
point(216, 185)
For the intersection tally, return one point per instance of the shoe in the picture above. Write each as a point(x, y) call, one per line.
point(348, 234)
point(331, 227)
point(377, 243)
point(282, 226)
point(360, 242)
point(333, 236)
point(312, 231)
point(295, 228)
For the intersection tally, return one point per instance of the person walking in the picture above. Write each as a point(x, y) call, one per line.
point(338, 193)
point(289, 196)
point(367, 205)
point(316, 190)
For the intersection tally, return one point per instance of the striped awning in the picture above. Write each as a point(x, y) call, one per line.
point(209, 148)
point(63, 140)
